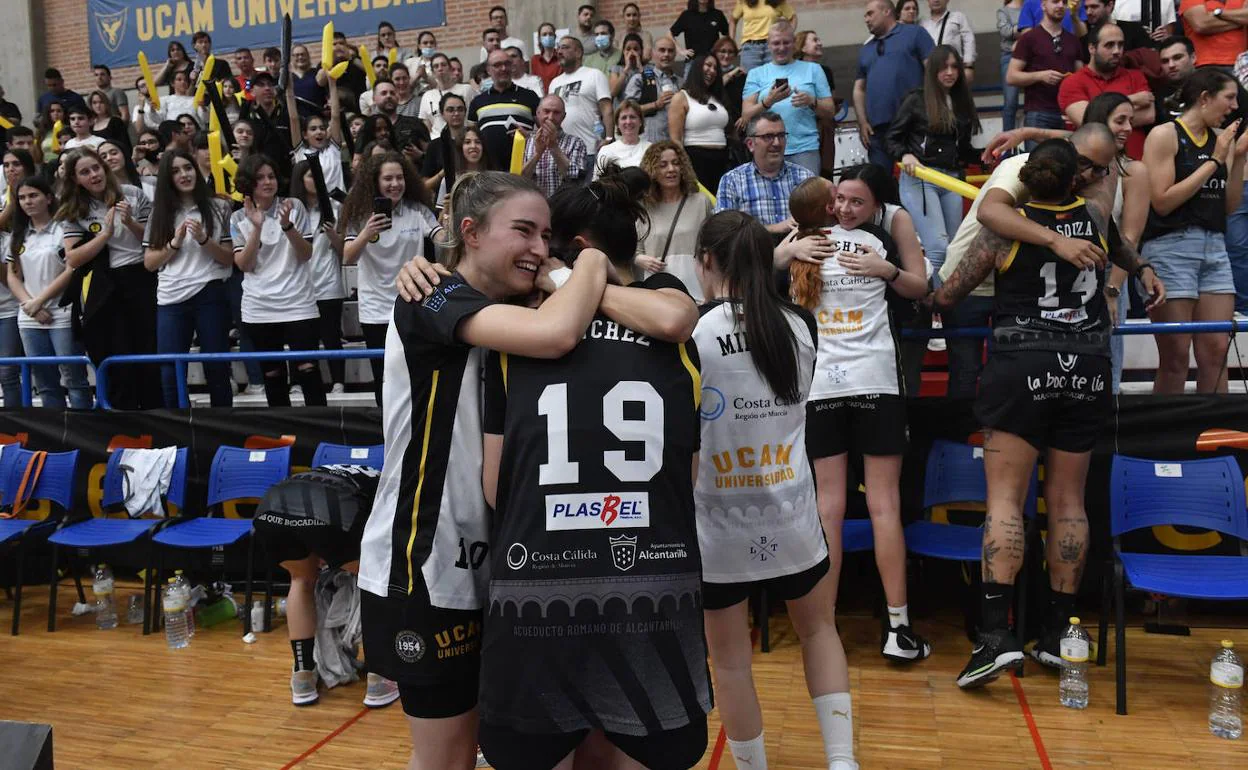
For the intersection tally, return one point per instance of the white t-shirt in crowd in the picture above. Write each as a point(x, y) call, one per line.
point(42, 260)
point(624, 155)
point(192, 267)
point(124, 248)
point(431, 103)
point(171, 106)
point(330, 157)
point(9, 306)
point(705, 124)
point(279, 289)
point(581, 91)
point(92, 141)
point(386, 254)
point(326, 264)
point(533, 83)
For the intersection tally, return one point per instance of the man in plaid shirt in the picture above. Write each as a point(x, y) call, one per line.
point(762, 186)
point(552, 157)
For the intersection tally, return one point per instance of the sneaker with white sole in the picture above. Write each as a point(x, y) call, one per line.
point(253, 390)
point(996, 652)
point(303, 688)
point(381, 692)
point(903, 645)
point(338, 389)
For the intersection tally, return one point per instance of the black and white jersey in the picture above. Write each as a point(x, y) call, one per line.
point(338, 495)
point(755, 494)
point(429, 520)
point(1045, 303)
point(595, 611)
point(1205, 209)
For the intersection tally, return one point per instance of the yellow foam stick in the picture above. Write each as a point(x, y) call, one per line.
point(707, 193)
point(977, 178)
point(150, 81)
point(56, 132)
point(214, 122)
point(199, 92)
point(237, 196)
point(517, 153)
point(210, 64)
point(327, 46)
point(368, 66)
point(393, 56)
point(5, 123)
point(944, 180)
point(339, 69)
point(214, 157)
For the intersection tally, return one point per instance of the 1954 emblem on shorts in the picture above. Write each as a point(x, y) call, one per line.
point(409, 646)
point(623, 552)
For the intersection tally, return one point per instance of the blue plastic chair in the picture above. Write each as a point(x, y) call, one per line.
point(344, 454)
point(856, 536)
point(55, 484)
point(236, 474)
point(109, 532)
point(1208, 494)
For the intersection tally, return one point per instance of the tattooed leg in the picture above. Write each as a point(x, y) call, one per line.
point(1008, 463)
point(1065, 476)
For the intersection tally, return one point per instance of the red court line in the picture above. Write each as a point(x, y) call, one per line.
point(1031, 723)
point(319, 744)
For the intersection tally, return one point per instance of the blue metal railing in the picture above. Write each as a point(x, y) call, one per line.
point(25, 363)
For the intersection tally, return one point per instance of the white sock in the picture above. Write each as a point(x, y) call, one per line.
point(836, 724)
point(749, 755)
point(899, 616)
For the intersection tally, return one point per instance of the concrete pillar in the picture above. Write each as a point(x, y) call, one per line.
point(21, 69)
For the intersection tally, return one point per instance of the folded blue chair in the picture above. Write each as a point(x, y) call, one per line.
point(1207, 494)
point(344, 454)
point(55, 483)
point(104, 532)
point(236, 474)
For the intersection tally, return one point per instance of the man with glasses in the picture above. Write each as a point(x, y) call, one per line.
point(654, 87)
point(1105, 73)
point(498, 23)
point(1043, 57)
point(890, 65)
point(762, 187)
point(500, 110)
point(797, 91)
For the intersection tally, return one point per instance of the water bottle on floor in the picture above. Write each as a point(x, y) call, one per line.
point(177, 635)
point(1227, 683)
point(257, 615)
point(1073, 688)
point(105, 609)
point(184, 586)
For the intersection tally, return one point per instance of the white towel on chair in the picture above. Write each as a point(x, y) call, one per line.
point(145, 477)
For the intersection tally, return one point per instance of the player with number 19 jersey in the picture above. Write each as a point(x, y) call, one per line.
point(594, 617)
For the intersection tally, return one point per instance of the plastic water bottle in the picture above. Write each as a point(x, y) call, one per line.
point(105, 609)
point(174, 602)
point(1073, 688)
point(184, 586)
point(1226, 676)
point(257, 615)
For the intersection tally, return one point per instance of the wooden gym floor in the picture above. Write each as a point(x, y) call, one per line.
point(119, 700)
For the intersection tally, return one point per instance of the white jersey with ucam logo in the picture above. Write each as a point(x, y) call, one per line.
point(755, 493)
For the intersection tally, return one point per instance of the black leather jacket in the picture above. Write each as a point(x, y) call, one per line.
point(909, 133)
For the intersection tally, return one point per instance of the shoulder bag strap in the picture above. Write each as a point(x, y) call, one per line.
point(30, 477)
point(672, 230)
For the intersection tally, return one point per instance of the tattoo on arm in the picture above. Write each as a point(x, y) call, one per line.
point(981, 257)
point(1126, 257)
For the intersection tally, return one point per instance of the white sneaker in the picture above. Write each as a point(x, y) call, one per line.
point(338, 389)
point(303, 688)
point(842, 764)
point(296, 390)
point(253, 390)
point(381, 692)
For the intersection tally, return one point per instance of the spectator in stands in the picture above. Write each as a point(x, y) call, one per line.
point(629, 147)
point(762, 187)
point(586, 97)
point(701, 23)
point(759, 16)
point(469, 156)
point(201, 41)
point(908, 11)
point(952, 28)
point(57, 92)
point(632, 63)
point(520, 72)
point(122, 168)
point(1138, 13)
point(890, 65)
point(245, 63)
point(675, 210)
point(80, 124)
point(272, 58)
point(381, 71)
point(104, 120)
point(187, 245)
point(1033, 14)
point(272, 246)
point(173, 105)
point(500, 109)
point(355, 80)
point(406, 102)
point(407, 133)
point(1216, 29)
point(491, 41)
point(1178, 62)
point(388, 40)
point(270, 122)
point(697, 120)
point(725, 51)
point(498, 23)
point(10, 112)
point(655, 87)
point(441, 151)
point(1106, 73)
point(325, 266)
point(632, 26)
point(119, 316)
point(1007, 30)
point(22, 138)
point(584, 27)
point(810, 48)
point(552, 156)
point(1197, 181)
point(17, 164)
point(37, 277)
point(419, 65)
point(1100, 12)
point(795, 90)
point(231, 98)
point(382, 243)
point(604, 55)
point(432, 101)
point(148, 147)
point(545, 63)
point(176, 60)
point(308, 83)
point(116, 97)
point(933, 128)
point(319, 138)
point(1043, 57)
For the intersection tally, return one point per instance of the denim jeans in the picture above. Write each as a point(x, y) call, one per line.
point(1009, 112)
point(1236, 248)
point(1116, 341)
point(754, 53)
point(937, 212)
point(808, 160)
point(877, 154)
point(57, 342)
point(966, 354)
point(206, 316)
point(10, 376)
point(1041, 120)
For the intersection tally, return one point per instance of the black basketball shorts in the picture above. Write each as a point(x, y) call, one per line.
point(1050, 400)
point(873, 424)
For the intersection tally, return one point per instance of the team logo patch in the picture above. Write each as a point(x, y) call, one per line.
point(1067, 361)
point(713, 403)
point(517, 556)
point(95, 227)
point(111, 28)
point(409, 646)
point(623, 552)
point(609, 510)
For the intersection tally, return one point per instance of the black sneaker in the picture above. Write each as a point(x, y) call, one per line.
point(903, 645)
point(997, 651)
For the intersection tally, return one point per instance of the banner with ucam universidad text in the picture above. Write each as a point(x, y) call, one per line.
point(120, 29)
